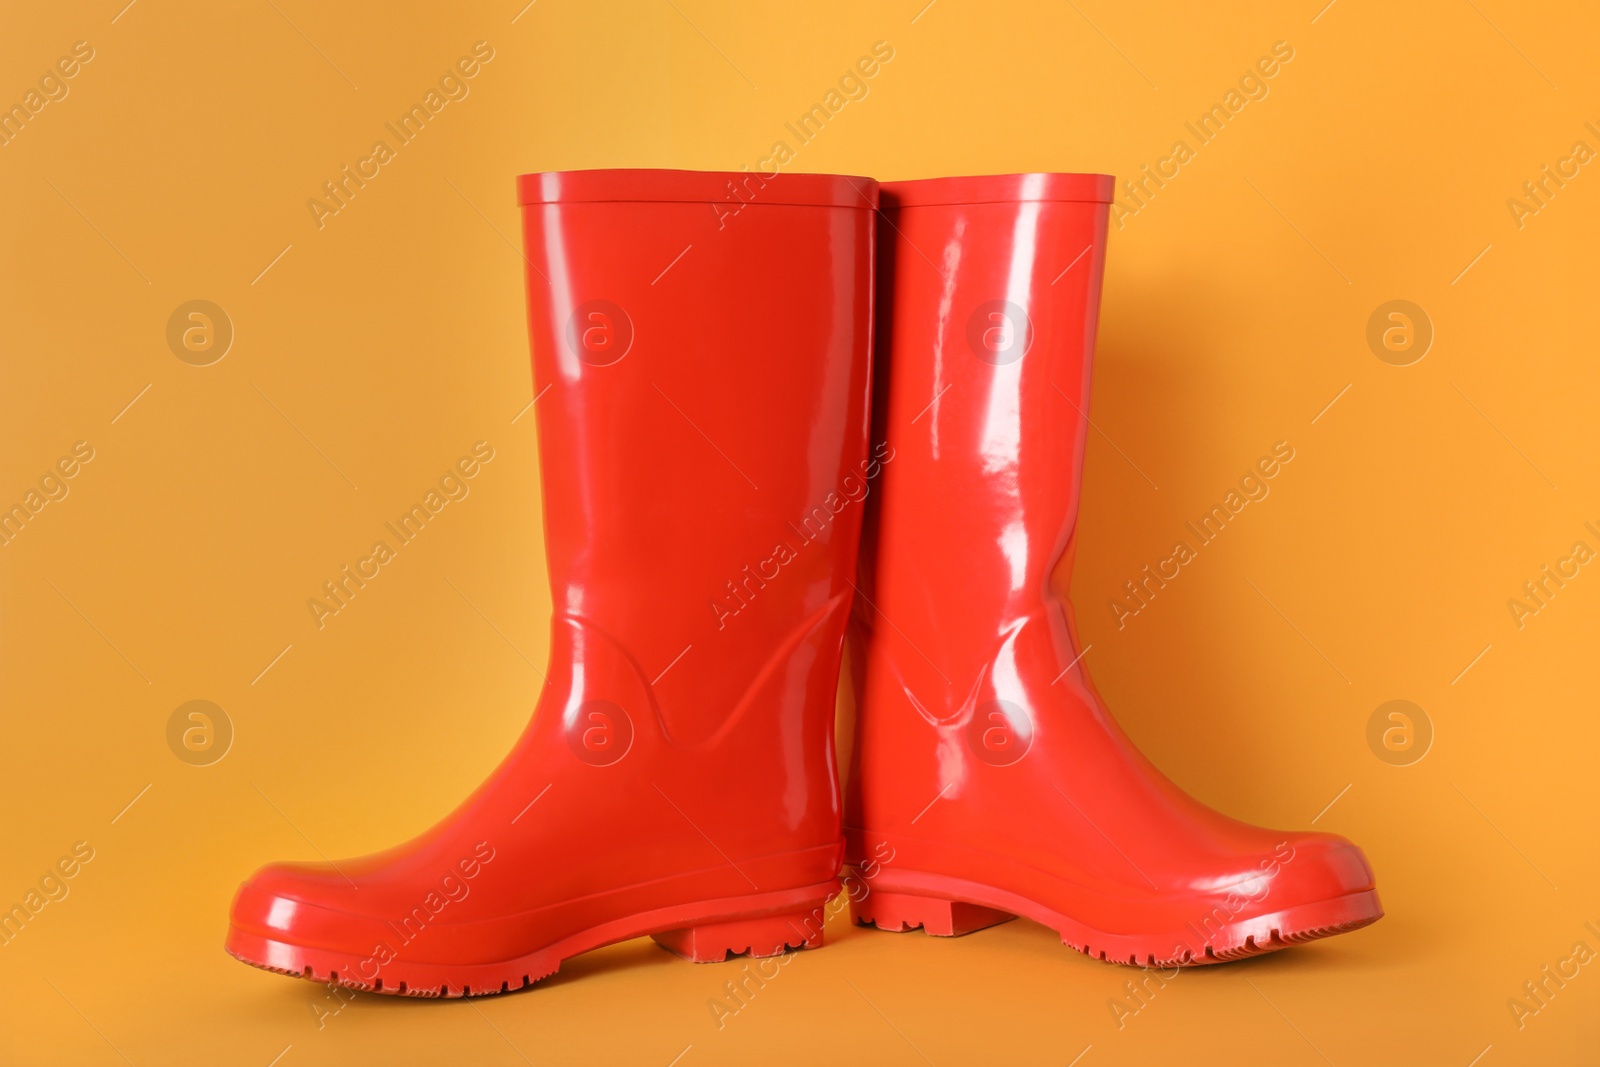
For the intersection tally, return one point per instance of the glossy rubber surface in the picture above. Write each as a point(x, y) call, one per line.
point(986, 766)
point(701, 369)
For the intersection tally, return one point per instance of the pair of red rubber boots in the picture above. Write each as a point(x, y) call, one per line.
point(717, 440)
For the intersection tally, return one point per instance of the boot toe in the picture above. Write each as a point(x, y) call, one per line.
point(1318, 866)
point(307, 904)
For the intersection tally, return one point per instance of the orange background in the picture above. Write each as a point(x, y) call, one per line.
point(370, 353)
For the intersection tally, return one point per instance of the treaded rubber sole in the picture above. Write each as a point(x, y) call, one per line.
point(951, 907)
point(761, 924)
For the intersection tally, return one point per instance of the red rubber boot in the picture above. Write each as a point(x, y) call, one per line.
point(988, 779)
point(701, 365)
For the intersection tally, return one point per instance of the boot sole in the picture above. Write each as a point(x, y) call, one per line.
point(760, 925)
point(950, 907)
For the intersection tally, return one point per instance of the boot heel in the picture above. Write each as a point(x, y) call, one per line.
point(898, 912)
point(769, 935)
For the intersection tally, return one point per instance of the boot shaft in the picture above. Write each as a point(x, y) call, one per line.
point(991, 290)
point(701, 353)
